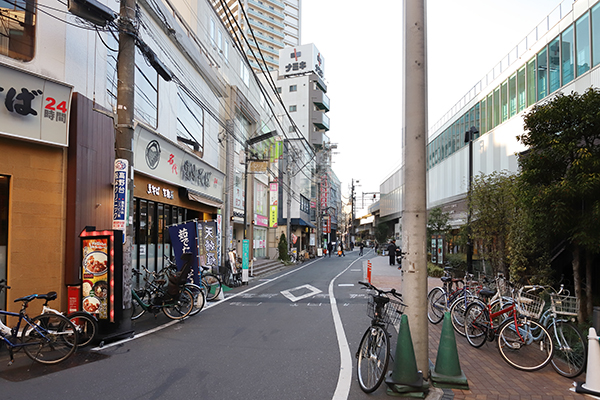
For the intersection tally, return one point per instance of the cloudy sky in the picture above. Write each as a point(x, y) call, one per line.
point(362, 45)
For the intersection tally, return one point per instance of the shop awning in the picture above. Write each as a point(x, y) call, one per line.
point(200, 198)
point(298, 222)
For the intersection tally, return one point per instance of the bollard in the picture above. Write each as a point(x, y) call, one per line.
point(592, 378)
point(369, 268)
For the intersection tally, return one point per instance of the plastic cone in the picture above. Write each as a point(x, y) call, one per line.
point(405, 378)
point(592, 375)
point(447, 372)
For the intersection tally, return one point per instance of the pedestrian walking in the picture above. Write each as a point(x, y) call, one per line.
point(329, 248)
point(361, 246)
point(341, 253)
point(392, 252)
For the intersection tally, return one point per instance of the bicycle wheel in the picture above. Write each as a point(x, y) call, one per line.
point(136, 308)
point(86, 325)
point(212, 284)
point(180, 308)
point(436, 305)
point(570, 352)
point(518, 346)
point(50, 339)
point(457, 313)
point(373, 357)
point(199, 297)
point(476, 324)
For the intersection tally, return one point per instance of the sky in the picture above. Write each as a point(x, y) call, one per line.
point(361, 43)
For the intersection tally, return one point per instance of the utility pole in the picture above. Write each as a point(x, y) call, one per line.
point(414, 216)
point(124, 133)
point(288, 174)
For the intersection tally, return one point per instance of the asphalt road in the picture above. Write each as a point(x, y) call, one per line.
point(281, 337)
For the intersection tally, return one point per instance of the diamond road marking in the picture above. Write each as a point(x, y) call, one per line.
point(311, 292)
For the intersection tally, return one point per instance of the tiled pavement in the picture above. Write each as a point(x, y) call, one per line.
point(489, 377)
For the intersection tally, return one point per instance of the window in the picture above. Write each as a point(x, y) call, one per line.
point(521, 90)
point(497, 114)
point(212, 30)
point(504, 100)
point(245, 74)
point(279, 90)
point(293, 108)
point(293, 88)
point(146, 84)
point(291, 129)
point(596, 34)
point(483, 116)
point(512, 96)
point(220, 40)
point(490, 112)
point(567, 55)
point(226, 50)
point(582, 43)
point(531, 80)
point(554, 65)
point(190, 122)
point(17, 29)
point(542, 74)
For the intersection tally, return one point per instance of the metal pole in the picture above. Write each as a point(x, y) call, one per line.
point(469, 239)
point(124, 134)
point(414, 217)
point(245, 188)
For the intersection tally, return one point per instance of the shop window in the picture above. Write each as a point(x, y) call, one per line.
point(596, 34)
point(17, 29)
point(542, 74)
point(554, 65)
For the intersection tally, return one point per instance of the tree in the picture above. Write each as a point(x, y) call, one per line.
point(283, 248)
point(437, 222)
point(561, 175)
point(492, 201)
point(381, 232)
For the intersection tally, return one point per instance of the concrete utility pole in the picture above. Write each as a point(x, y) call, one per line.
point(414, 217)
point(124, 132)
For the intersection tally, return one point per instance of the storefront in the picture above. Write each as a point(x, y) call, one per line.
point(171, 186)
point(34, 124)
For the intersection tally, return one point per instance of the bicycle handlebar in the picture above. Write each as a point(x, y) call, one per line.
point(380, 291)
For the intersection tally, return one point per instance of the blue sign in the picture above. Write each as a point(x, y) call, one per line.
point(120, 195)
point(183, 240)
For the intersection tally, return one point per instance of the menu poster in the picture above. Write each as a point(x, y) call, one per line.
point(94, 289)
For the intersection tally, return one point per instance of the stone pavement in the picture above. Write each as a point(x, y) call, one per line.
point(489, 376)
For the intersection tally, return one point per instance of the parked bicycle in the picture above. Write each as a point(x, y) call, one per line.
point(373, 353)
point(522, 341)
point(85, 323)
point(48, 338)
point(570, 347)
point(198, 291)
point(440, 298)
point(162, 292)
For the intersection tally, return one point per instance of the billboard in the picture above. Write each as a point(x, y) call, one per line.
point(300, 60)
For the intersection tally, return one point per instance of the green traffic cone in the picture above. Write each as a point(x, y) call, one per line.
point(405, 378)
point(447, 372)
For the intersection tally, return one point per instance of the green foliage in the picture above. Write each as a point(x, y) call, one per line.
point(381, 232)
point(437, 222)
point(561, 172)
point(283, 248)
point(493, 202)
point(434, 270)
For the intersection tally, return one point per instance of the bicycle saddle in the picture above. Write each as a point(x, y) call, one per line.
point(487, 293)
point(49, 296)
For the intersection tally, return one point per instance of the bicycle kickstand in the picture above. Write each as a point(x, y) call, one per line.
point(12, 356)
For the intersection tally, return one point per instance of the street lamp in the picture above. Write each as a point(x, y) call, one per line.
point(469, 137)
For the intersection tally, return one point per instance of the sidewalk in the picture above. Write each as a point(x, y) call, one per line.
point(489, 377)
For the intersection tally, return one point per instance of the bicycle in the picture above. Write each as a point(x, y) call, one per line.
point(85, 323)
point(440, 298)
point(570, 347)
point(48, 338)
point(231, 273)
point(198, 292)
point(522, 342)
point(153, 297)
point(373, 353)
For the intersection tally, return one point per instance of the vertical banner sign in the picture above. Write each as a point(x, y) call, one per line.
point(183, 240)
point(245, 259)
point(120, 196)
point(209, 244)
point(219, 235)
point(440, 250)
point(273, 204)
point(434, 250)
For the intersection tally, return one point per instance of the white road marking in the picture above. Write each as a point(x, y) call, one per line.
point(311, 292)
point(345, 284)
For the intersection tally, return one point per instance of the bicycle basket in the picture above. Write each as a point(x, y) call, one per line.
point(564, 305)
point(529, 304)
point(392, 311)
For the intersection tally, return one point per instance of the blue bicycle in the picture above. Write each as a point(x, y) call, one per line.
point(48, 338)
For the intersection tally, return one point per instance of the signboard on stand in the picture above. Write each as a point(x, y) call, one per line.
point(245, 259)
